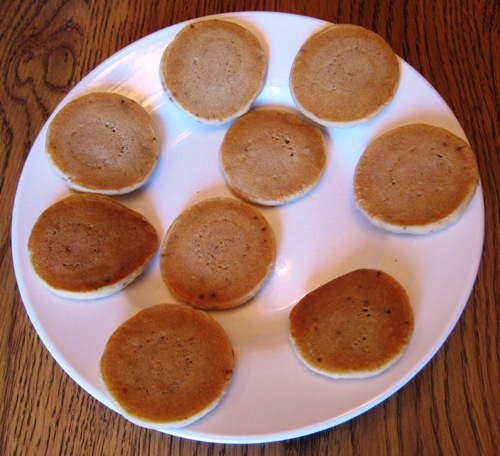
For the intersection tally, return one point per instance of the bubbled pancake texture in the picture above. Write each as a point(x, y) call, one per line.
point(344, 75)
point(353, 326)
point(213, 70)
point(218, 253)
point(86, 246)
point(271, 157)
point(103, 143)
point(167, 366)
point(415, 179)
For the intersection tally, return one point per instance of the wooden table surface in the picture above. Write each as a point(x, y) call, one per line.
point(451, 407)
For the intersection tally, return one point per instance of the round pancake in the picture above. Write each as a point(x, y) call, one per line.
point(354, 326)
point(103, 143)
point(167, 366)
point(88, 246)
point(272, 157)
point(344, 75)
point(415, 179)
point(213, 70)
point(217, 254)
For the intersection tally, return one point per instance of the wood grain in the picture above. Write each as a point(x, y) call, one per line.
point(451, 407)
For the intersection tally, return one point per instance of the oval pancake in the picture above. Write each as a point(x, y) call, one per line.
point(103, 143)
point(344, 75)
point(272, 157)
point(167, 366)
point(415, 179)
point(213, 70)
point(217, 254)
point(354, 326)
point(88, 246)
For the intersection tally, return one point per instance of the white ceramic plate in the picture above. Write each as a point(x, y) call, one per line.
point(320, 236)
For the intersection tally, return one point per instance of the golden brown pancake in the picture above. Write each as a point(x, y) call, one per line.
point(272, 157)
point(103, 143)
point(415, 179)
point(87, 246)
point(167, 366)
point(214, 70)
point(344, 75)
point(217, 254)
point(354, 326)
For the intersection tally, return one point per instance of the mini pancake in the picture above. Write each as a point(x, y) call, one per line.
point(354, 326)
point(415, 179)
point(167, 366)
point(103, 143)
point(88, 246)
point(272, 157)
point(344, 75)
point(217, 254)
point(213, 70)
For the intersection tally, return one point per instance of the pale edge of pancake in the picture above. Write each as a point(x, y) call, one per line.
point(236, 302)
point(347, 124)
point(164, 426)
point(347, 375)
point(68, 180)
point(98, 292)
point(267, 201)
point(424, 228)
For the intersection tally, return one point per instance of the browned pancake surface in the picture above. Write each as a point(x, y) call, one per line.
point(167, 366)
point(103, 143)
point(344, 75)
point(217, 254)
point(356, 325)
point(271, 157)
point(415, 179)
point(87, 246)
point(213, 70)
